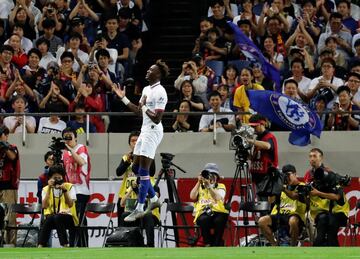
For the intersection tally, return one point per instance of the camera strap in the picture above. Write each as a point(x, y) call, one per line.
point(54, 201)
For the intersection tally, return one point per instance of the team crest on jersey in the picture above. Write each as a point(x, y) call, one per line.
point(293, 114)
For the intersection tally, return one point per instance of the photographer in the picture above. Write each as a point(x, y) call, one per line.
point(209, 207)
point(265, 154)
point(329, 206)
point(58, 203)
point(44, 177)
point(288, 212)
point(316, 157)
point(9, 179)
point(78, 168)
point(128, 201)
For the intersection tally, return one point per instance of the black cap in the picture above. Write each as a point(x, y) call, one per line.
point(197, 56)
point(76, 21)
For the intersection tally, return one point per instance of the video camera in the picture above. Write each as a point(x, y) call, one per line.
point(166, 159)
point(326, 181)
point(239, 141)
point(57, 145)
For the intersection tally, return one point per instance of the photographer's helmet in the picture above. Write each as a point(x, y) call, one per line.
point(213, 169)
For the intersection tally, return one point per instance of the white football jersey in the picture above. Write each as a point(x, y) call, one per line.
point(156, 99)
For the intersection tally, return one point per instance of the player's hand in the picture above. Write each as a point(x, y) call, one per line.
point(118, 90)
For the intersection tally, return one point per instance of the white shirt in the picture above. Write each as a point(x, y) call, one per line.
point(303, 85)
point(84, 57)
point(156, 99)
point(5, 8)
point(26, 44)
point(45, 126)
point(113, 57)
point(335, 81)
point(206, 120)
point(45, 60)
point(10, 122)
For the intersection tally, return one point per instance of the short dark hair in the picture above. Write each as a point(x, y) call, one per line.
point(318, 150)
point(255, 118)
point(164, 69)
point(110, 17)
point(48, 23)
point(67, 54)
point(132, 134)
point(299, 61)
point(75, 35)
point(230, 66)
point(343, 1)
point(214, 2)
point(335, 15)
point(17, 97)
point(69, 130)
point(47, 154)
point(350, 74)
point(79, 105)
point(288, 168)
point(214, 94)
point(34, 51)
point(342, 89)
point(4, 130)
point(329, 60)
point(56, 169)
point(312, 2)
point(291, 81)
point(103, 53)
point(6, 47)
point(41, 41)
point(18, 25)
point(357, 43)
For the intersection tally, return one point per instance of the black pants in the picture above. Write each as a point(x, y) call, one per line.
point(327, 227)
point(120, 211)
point(60, 222)
point(217, 221)
point(81, 201)
point(148, 222)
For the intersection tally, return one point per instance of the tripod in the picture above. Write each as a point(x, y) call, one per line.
point(246, 191)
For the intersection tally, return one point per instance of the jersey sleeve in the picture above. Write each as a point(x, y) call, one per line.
point(161, 100)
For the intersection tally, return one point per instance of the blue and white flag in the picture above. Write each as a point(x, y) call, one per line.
point(251, 51)
point(287, 113)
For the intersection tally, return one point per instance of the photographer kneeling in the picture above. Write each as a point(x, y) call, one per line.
point(58, 203)
point(209, 207)
point(288, 212)
point(329, 206)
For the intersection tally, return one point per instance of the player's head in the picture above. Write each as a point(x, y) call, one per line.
point(157, 71)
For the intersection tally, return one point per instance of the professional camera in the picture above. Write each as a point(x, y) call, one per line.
point(304, 190)
point(57, 145)
point(58, 181)
point(205, 174)
point(326, 181)
point(239, 138)
point(208, 211)
point(166, 159)
point(4, 145)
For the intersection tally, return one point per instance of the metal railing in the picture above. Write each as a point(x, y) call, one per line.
point(131, 114)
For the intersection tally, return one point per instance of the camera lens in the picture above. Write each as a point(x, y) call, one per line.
point(205, 174)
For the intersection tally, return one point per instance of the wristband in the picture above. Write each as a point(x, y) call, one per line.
point(144, 108)
point(125, 100)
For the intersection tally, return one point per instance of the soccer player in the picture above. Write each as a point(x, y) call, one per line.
point(152, 105)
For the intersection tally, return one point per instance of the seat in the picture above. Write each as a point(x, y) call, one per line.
point(97, 208)
point(240, 64)
point(181, 210)
point(217, 66)
point(255, 207)
point(33, 210)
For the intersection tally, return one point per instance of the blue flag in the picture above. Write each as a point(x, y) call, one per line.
point(249, 49)
point(287, 113)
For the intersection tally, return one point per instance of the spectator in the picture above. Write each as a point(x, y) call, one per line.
point(260, 78)
point(61, 217)
point(91, 93)
point(210, 212)
point(9, 180)
point(205, 25)
point(77, 26)
point(219, 19)
point(288, 213)
point(19, 58)
point(149, 220)
point(49, 30)
point(7, 70)
point(50, 12)
point(78, 170)
point(320, 108)
point(343, 37)
point(132, 10)
point(54, 101)
point(90, 18)
point(43, 45)
point(107, 55)
point(44, 177)
point(204, 70)
point(241, 101)
point(67, 76)
point(15, 123)
point(79, 123)
point(353, 82)
point(189, 72)
point(297, 70)
point(23, 14)
point(326, 53)
point(276, 58)
point(342, 119)
point(291, 89)
point(331, 43)
point(344, 8)
point(50, 125)
point(184, 122)
point(33, 75)
point(223, 123)
point(247, 14)
point(80, 57)
point(327, 84)
point(230, 77)
point(119, 41)
point(187, 92)
point(213, 47)
point(26, 43)
point(226, 100)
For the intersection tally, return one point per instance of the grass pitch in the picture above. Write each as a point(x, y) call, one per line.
point(181, 253)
